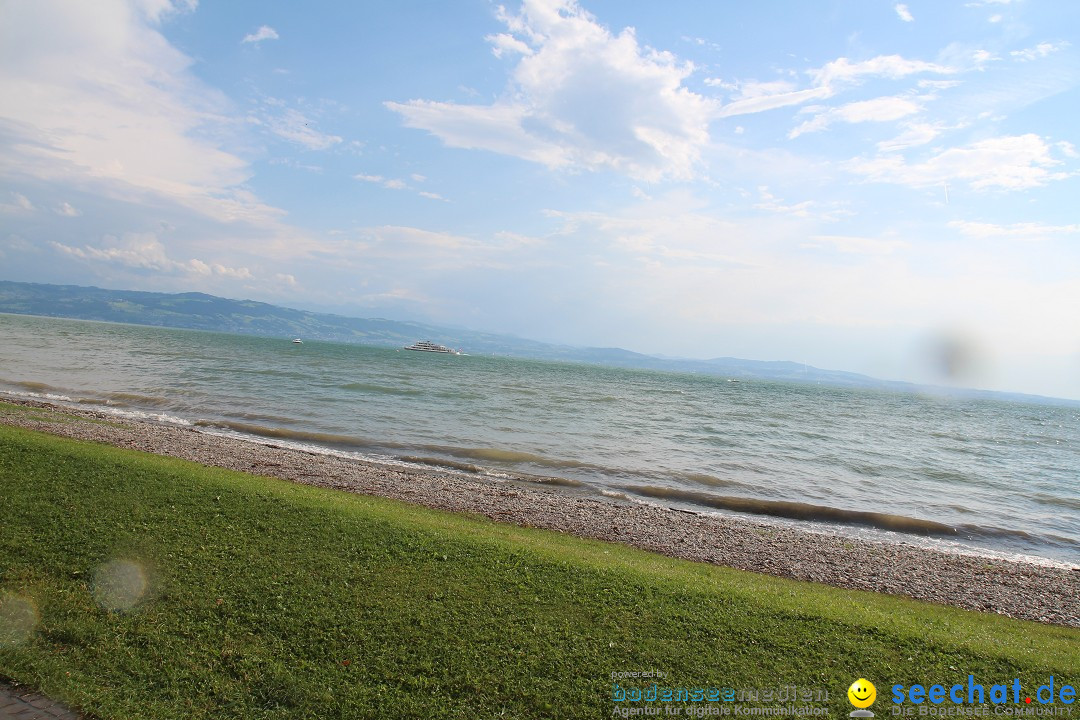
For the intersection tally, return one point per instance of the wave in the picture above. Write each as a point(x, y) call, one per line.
point(558, 481)
point(273, 372)
point(470, 468)
point(141, 415)
point(662, 391)
point(37, 390)
point(710, 480)
point(264, 417)
point(289, 434)
point(522, 389)
point(458, 395)
point(94, 401)
point(720, 441)
point(36, 387)
point(1017, 536)
point(103, 402)
point(129, 399)
point(439, 462)
point(801, 511)
point(1066, 502)
point(499, 455)
point(379, 389)
point(40, 395)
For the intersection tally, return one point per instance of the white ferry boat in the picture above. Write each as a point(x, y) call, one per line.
point(428, 346)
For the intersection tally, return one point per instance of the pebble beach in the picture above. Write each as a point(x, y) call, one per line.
point(1046, 593)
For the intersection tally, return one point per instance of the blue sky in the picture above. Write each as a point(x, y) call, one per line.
point(872, 186)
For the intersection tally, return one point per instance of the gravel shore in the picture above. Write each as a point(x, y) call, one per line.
point(1016, 589)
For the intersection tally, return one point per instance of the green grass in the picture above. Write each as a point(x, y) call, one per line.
point(260, 590)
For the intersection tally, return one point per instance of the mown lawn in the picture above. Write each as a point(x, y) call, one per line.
point(266, 599)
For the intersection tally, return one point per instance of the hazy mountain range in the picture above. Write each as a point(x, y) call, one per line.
point(208, 312)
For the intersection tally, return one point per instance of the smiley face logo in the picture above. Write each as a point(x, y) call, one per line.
point(862, 693)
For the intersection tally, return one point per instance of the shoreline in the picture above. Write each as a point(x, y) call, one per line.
point(1024, 590)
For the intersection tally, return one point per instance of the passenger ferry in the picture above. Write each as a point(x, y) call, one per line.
point(428, 346)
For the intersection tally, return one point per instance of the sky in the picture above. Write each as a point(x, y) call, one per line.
point(880, 187)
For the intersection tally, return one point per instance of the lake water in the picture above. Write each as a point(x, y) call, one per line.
point(973, 475)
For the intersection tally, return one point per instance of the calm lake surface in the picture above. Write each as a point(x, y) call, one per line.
point(982, 475)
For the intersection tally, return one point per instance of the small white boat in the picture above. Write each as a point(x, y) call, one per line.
point(298, 341)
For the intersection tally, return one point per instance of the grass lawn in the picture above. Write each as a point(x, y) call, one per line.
point(258, 598)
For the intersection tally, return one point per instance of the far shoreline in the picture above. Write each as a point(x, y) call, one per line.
point(1043, 593)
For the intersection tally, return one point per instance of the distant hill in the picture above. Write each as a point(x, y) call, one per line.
point(208, 312)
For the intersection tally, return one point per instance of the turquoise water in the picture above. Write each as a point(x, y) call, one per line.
point(1000, 476)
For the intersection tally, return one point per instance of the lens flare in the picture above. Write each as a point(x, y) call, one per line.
point(18, 619)
point(119, 585)
point(955, 356)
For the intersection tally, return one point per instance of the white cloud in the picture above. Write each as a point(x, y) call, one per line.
point(672, 264)
point(1014, 162)
point(762, 103)
point(842, 70)
point(293, 163)
point(1015, 231)
point(937, 84)
point(67, 210)
point(755, 89)
point(405, 242)
point(294, 126)
point(144, 251)
point(828, 80)
point(914, 135)
point(398, 184)
point(92, 86)
point(881, 109)
point(265, 32)
point(1039, 51)
point(903, 13)
point(512, 240)
point(20, 204)
point(498, 128)
point(580, 98)
point(857, 245)
point(504, 43)
point(771, 203)
point(388, 183)
point(805, 209)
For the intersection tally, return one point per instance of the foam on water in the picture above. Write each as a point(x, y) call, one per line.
point(144, 415)
point(39, 396)
point(65, 400)
point(799, 511)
